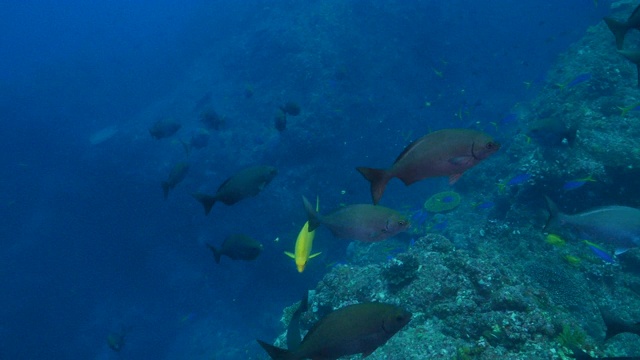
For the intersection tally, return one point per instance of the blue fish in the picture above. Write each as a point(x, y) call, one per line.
point(511, 118)
point(419, 217)
point(576, 183)
point(519, 179)
point(441, 225)
point(485, 205)
point(599, 252)
point(579, 79)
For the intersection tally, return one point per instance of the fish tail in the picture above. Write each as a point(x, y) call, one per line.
point(619, 30)
point(276, 353)
point(186, 146)
point(165, 188)
point(216, 253)
point(378, 179)
point(314, 217)
point(554, 214)
point(206, 200)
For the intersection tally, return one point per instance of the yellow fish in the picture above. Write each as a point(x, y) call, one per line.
point(304, 243)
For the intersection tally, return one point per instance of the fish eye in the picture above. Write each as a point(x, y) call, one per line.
point(402, 222)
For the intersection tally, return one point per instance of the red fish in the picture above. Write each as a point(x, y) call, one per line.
point(448, 152)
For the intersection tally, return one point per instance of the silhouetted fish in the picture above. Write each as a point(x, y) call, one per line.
point(164, 128)
point(362, 222)
point(293, 330)
point(237, 247)
point(246, 183)
point(353, 329)
point(617, 225)
point(448, 152)
point(177, 174)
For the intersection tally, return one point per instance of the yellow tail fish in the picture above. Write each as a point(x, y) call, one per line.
point(304, 243)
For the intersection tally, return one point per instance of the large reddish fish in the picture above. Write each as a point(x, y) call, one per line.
point(448, 152)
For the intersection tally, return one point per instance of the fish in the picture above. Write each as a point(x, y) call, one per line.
point(576, 183)
point(290, 108)
point(304, 244)
point(353, 329)
point(634, 57)
point(625, 110)
point(484, 205)
point(599, 252)
point(576, 81)
point(237, 247)
point(448, 152)
point(177, 174)
point(551, 131)
point(116, 339)
point(199, 140)
point(245, 183)
point(617, 225)
point(519, 179)
point(164, 128)
point(620, 28)
point(293, 330)
point(363, 222)
point(555, 240)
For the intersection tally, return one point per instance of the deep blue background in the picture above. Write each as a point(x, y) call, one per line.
point(88, 243)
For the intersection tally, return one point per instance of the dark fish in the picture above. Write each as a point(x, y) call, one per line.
point(199, 140)
point(617, 225)
point(212, 120)
point(634, 57)
point(448, 152)
point(551, 131)
point(620, 29)
point(246, 183)
point(293, 330)
point(364, 222)
point(280, 121)
point(164, 128)
point(291, 108)
point(353, 329)
point(237, 247)
point(177, 174)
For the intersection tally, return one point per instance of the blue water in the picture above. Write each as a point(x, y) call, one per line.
point(89, 245)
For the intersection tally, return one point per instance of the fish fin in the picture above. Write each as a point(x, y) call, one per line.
point(291, 255)
point(186, 146)
point(206, 200)
point(165, 189)
point(453, 178)
point(367, 353)
point(619, 30)
point(216, 253)
point(378, 179)
point(314, 255)
point(276, 353)
point(621, 251)
point(461, 160)
point(553, 213)
point(314, 217)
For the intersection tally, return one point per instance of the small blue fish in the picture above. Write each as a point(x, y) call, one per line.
point(485, 205)
point(579, 79)
point(519, 179)
point(419, 217)
point(576, 183)
point(441, 225)
point(511, 118)
point(599, 252)
point(447, 199)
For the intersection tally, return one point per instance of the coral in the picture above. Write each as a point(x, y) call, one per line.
point(442, 202)
point(400, 271)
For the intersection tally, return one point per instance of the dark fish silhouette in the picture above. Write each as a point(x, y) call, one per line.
point(620, 29)
point(237, 247)
point(246, 183)
point(177, 174)
point(293, 330)
point(448, 152)
point(364, 222)
point(353, 329)
point(164, 128)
